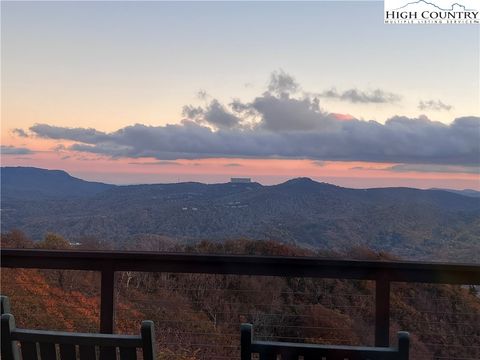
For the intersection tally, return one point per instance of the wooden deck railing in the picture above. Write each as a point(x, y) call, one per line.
point(382, 272)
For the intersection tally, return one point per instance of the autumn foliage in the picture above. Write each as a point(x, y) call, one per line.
point(198, 316)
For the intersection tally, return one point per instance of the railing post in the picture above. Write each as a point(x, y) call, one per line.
point(382, 312)
point(107, 300)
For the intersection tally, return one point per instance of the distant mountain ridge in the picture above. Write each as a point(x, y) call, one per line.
point(464, 192)
point(37, 183)
point(413, 223)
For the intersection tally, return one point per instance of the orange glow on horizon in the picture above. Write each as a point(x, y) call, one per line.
point(268, 171)
point(53, 154)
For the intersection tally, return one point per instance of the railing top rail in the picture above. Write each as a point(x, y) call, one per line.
point(407, 271)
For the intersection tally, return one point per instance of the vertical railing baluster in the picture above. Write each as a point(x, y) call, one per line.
point(107, 299)
point(382, 312)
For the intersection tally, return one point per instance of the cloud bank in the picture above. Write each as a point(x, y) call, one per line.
point(283, 122)
point(377, 96)
point(320, 137)
point(435, 105)
point(13, 150)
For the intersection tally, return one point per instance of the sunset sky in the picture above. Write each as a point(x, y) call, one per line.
point(147, 92)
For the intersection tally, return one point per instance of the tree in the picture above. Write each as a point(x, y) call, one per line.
point(54, 242)
point(16, 239)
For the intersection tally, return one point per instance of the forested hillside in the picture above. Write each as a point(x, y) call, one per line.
point(412, 223)
point(198, 316)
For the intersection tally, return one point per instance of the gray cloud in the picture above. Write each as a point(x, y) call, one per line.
point(238, 106)
point(377, 96)
point(104, 148)
point(59, 148)
point(202, 94)
point(280, 124)
point(428, 168)
point(282, 83)
point(289, 114)
point(192, 112)
point(20, 132)
point(156, 163)
point(400, 139)
point(436, 105)
point(13, 150)
point(434, 168)
point(90, 136)
point(218, 116)
point(214, 114)
point(233, 165)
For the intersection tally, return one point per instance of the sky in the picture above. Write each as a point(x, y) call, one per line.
point(145, 92)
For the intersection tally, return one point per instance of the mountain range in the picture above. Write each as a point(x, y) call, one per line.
point(411, 223)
